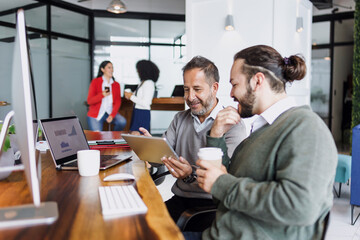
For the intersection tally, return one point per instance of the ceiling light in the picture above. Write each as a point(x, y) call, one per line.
point(229, 23)
point(117, 6)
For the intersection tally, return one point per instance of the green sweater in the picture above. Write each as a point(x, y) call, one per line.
point(280, 181)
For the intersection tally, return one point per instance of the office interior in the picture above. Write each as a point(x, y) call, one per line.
point(70, 38)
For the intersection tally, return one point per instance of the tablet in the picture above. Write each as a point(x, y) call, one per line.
point(150, 149)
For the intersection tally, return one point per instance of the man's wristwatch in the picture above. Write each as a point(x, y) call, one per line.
point(191, 178)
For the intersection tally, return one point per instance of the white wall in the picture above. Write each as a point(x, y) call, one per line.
point(270, 22)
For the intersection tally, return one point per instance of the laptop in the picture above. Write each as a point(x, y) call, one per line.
point(65, 136)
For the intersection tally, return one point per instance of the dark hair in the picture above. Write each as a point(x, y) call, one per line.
point(102, 65)
point(267, 60)
point(209, 68)
point(147, 70)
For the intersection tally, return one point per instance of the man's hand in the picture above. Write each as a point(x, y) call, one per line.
point(178, 168)
point(207, 174)
point(145, 132)
point(225, 119)
point(109, 119)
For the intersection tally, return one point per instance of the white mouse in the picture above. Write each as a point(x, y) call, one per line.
point(119, 176)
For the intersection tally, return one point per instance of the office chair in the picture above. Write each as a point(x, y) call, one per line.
point(189, 217)
point(343, 172)
point(159, 175)
point(326, 225)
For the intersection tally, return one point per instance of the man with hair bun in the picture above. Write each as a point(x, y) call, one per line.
point(279, 182)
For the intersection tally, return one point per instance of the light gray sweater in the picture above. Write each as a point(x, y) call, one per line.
point(186, 142)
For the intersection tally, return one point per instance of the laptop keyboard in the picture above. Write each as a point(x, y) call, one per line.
point(107, 157)
point(121, 201)
point(103, 158)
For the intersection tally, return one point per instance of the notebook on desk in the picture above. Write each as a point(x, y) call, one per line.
point(65, 136)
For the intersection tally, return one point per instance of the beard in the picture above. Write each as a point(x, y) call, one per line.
point(246, 103)
point(206, 105)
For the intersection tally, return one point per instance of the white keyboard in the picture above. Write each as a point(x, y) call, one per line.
point(121, 201)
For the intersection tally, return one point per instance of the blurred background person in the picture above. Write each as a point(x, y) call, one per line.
point(104, 100)
point(142, 97)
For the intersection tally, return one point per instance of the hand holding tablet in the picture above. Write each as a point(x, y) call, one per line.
point(150, 149)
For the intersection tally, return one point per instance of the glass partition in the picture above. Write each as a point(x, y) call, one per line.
point(7, 36)
point(320, 83)
point(321, 33)
point(170, 66)
point(121, 30)
point(69, 22)
point(344, 30)
point(167, 31)
point(70, 78)
point(124, 59)
point(36, 17)
point(39, 55)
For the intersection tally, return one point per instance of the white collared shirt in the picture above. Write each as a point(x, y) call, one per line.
point(198, 126)
point(106, 102)
point(272, 113)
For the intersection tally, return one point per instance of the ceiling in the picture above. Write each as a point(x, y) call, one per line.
point(168, 6)
point(153, 6)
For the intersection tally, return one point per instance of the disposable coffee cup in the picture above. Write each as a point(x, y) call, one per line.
point(211, 154)
point(88, 162)
point(128, 90)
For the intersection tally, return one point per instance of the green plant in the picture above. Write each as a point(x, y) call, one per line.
point(11, 130)
point(356, 68)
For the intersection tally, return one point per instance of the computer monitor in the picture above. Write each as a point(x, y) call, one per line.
point(23, 111)
point(178, 91)
point(133, 87)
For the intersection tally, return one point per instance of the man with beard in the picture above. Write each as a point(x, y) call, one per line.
point(187, 133)
point(279, 182)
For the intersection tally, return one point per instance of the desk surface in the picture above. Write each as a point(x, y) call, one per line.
point(79, 203)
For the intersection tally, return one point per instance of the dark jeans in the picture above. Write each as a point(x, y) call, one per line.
point(177, 205)
point(192, 235)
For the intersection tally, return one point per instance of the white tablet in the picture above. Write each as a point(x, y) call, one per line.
point(150, 149)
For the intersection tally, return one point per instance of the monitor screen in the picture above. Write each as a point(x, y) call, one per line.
point(23, 106)
point(133, 87)
point(178, 91)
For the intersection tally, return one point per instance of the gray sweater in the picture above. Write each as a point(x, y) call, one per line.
point(280, 181)
point(186, 142)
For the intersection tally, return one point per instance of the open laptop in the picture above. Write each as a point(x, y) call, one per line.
point(65, 136)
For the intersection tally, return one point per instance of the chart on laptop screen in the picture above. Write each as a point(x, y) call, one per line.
point(65, 137)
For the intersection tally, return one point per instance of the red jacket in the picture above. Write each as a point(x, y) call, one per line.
point(95, 96)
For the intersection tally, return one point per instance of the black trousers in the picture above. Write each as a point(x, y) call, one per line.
point(177, 205)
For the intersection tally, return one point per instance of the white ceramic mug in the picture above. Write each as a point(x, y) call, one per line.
point(211, 154)
point(88, 162)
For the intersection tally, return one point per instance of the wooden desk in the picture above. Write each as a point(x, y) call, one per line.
point(162, 104)
point(79, 203)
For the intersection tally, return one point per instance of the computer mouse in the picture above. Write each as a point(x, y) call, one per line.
point(119, 177)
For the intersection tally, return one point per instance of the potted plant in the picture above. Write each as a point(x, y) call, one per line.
point(7, 157)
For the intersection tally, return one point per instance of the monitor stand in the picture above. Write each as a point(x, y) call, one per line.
point(25, 215)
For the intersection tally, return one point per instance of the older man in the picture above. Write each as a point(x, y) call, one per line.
point(187, 133)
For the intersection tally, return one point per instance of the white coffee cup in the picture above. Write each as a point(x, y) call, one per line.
point(128, 90)
point(211, 154)
point(88, 162)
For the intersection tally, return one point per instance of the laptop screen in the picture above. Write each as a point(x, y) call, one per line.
point(65, 137)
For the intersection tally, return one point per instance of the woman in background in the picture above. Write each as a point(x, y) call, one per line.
point(104, 100)
point(142, 97)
